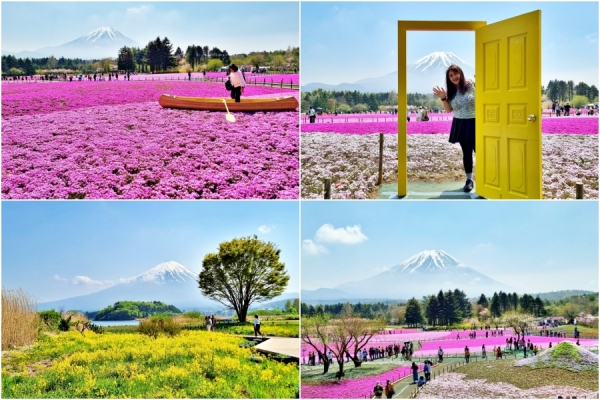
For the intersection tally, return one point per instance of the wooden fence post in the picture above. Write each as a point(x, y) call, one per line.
point(579, 190)
point(327, 188)
point(380, 176)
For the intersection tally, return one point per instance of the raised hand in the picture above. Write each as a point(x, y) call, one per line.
point(439, 92)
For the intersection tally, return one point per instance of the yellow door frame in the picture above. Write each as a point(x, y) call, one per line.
point(403, 27)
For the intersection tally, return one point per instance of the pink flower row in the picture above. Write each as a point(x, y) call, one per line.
point(36, 99)
point(578, 126)
point(354, 388)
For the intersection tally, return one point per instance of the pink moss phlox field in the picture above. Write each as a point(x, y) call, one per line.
point(576, 125)
point(49, 97)
point(458, 346)
point(141, 150)
point(354, 388)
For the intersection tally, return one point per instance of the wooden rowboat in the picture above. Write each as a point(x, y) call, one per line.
point(288, 103)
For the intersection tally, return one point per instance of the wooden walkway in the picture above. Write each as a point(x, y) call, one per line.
point(281, 345)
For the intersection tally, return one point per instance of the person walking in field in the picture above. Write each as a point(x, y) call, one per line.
point(378, 390)
point(440, 354)
point(467, 354)
point(389, 390)
point(257, 326)
point(459, 98)
point(415, 372)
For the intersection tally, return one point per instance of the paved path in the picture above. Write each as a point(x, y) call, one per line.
point(428, 190)
point(280, 345)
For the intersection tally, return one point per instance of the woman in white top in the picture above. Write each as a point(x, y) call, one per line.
point(257, 326)
point(237, 81)
point(459, 98)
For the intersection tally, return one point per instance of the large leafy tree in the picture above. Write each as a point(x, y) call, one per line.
point(413, 315)
point(243, 271)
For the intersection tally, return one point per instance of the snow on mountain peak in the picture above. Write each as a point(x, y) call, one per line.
point(103, 33)
point(168, 271)
point(429, 260)
point(438, 60)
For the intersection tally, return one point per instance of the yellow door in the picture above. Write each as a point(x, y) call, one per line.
point(508, 105)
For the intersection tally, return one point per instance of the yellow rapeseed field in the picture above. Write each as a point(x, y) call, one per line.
point(194, 364)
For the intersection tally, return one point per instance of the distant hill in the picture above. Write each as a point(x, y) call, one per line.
point(130, 310)
point(562, 294)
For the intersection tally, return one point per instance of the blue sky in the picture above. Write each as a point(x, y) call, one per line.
point(348, 41)
point(536, 246)
point(238, 27)
point(46, 245)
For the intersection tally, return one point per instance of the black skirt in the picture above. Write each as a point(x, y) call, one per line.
point(462, 130)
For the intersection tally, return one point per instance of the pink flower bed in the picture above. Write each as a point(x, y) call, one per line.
point(398, 337)
point(458, 346)
point(578, 126)
point(353, 388)
point(113, 141)
point(43, 98)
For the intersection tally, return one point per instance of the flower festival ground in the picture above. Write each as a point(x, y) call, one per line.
point(112, 140)
point(348, 153)
point(489, 378)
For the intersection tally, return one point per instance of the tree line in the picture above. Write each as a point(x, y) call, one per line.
point(362, 310)
point(354, 101)
point(562, 91)
point(157, 56)
point(347, 101)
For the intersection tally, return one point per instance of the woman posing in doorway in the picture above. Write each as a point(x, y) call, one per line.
point(459, 98)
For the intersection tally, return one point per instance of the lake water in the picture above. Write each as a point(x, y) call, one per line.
point(134, 322)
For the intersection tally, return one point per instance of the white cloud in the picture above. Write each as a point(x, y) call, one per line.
point(60, 278)
point(139, 10)
point(311, 248)
point(84, 280)
point(348, 235)
point(264, 229)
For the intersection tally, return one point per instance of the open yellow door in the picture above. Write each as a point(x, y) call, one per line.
point(508, 103)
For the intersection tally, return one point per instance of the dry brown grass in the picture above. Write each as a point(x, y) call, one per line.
point(19, 318)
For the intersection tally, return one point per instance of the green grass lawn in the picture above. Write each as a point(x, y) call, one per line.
point(526, 378)
point(315, 376)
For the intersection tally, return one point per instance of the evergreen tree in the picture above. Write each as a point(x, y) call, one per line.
point(413, 315)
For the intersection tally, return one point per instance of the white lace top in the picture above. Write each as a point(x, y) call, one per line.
point(463, 105)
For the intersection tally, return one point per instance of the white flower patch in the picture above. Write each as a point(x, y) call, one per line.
point(454, 386)
point(351, 162)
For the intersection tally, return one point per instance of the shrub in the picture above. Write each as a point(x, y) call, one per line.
point(19, 318)
point(193, 314)
point(50, 318)
point(156, 325)
point(65, 323)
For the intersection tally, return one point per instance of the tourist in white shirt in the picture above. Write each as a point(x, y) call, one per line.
point(237, 81)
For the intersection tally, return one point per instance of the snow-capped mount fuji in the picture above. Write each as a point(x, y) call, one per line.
point(103, 34)
point(422, 75)
point(423, 274)
point(430, 71)
point(438, 61)
point(169, 282)
point(97, 44)
point(166, 272)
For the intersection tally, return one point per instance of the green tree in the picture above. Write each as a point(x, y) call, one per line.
point(243, 271)
point(413, 315)
point(483, 301)
point(579, 101)
point(125, 61)
point(214, 64)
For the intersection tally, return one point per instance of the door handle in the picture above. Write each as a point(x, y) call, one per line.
point(531, 117)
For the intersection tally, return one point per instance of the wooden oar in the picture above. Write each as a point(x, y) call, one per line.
point(229, 117)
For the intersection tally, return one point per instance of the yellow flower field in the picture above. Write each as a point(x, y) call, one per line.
point(195, 364)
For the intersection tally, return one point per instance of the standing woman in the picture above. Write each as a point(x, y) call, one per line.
point(460, 100)
point(237, 81)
